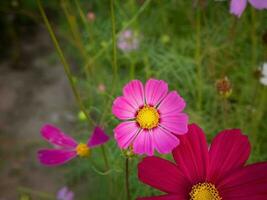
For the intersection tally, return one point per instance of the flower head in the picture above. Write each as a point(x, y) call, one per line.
point(128, 41)
point(200, 173)
point(237, 7)
point(66, 147)
point(90, 16)
point(153, 117)
point(65, 194)
point(101, 88)
point(263, 78)
point(224, 87)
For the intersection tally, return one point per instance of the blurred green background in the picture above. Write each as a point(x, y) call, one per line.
point(212, 58)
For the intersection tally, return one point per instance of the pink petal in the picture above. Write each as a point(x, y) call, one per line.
point(143, 143)
point(171, 104)
point(177, 124)
point(98, 137)
point(155, 91)
point(237, 7)
point(259, 4)
point(122, 109)
point(134, 93)
point(248, 183)
point(62, 193)
point(69, 196)
point(125, 133)
point(165, 197)
point(163, 141)
point(229, 151)
point(55, 136)
point(191, 155)
point(163, 175)
point(53, 157)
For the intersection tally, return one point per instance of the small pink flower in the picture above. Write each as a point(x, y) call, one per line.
point(153, 117)
point(65, 194)
point(66, 148)
point(101, 88)
point(237, 7)
point(128, 41)
point(91, 16)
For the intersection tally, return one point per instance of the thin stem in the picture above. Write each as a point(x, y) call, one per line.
point(127, 184)
point(105, 157)
point(114, 42)
point(253, 38)
point(114, 58)
point(225, 109)
point(65, 63)
point(132, 69)
point(74, 28)
point(198, 58)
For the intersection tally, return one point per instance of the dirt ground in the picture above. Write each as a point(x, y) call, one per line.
point(30, 97)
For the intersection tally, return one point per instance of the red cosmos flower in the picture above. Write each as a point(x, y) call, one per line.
point(219, 173)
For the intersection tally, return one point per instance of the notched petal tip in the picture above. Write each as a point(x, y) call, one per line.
point(98, 137)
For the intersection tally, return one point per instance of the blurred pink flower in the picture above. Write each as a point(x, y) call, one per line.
point(91, 16)
point(153, 117)
point(128, 41)
point(237, 7)
point(101, 88)
point(65, 194)
point(66, 148)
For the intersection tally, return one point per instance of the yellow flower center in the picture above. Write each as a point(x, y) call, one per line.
point(83, 150)
point(148, 117)
point(204, 191)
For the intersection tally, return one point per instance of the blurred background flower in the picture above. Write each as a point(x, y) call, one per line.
point(65, 193)
point(237, 7)
point(128, 41)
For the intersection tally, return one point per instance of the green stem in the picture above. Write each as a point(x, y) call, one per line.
point(253, 38)
point(114, 59)
point(127, 184)
point(225, 108)
point(257, 117)
point(132, 69)
point(74, 29)
point(198, 58)
point(65, 64)
point(105, 157)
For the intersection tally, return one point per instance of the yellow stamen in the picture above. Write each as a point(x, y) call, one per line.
point(148, 117)
point(204, 191)
point(83, 150)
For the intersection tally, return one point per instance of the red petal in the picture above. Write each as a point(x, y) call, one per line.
point(191, 155)
point(164, 197)
point(163, 175)
point(248, 183)
point(229, 150)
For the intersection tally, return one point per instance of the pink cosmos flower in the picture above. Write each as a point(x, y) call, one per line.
point(128, 41)
point(65, 194)
point(202, 174)
point(66, 147)
point(152, 117)
point(237, 7)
